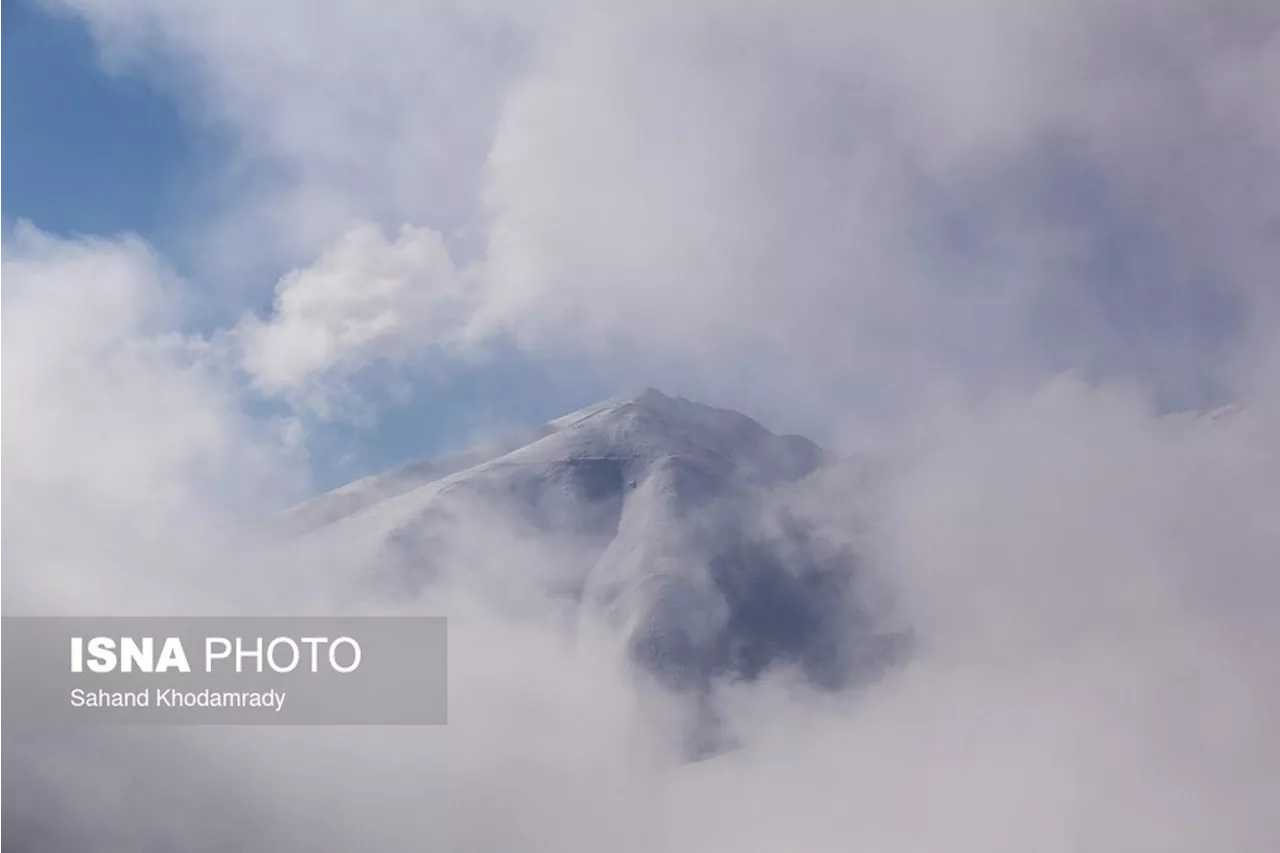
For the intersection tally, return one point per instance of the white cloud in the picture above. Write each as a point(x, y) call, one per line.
point(343, 114)
point(365, 300)
point(782, 203)
point(887, 195)
point(123, 436)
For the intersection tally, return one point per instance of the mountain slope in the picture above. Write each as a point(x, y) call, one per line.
point(670, 521)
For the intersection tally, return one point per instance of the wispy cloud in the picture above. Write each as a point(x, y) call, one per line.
point(367, 299)
point(826, 213)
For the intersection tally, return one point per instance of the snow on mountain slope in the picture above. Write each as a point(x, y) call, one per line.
point(354, 497)
point(671, 521)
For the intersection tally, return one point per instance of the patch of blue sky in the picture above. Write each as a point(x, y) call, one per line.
point(91, 151)
point(84, 151)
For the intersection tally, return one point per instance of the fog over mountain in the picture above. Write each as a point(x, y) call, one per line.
point(682, 527)
point(978, 251)
point(661, 613)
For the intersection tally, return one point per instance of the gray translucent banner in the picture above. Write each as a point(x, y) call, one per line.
point(225, 671)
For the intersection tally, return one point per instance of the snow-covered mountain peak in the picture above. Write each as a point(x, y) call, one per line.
point(648, 425)
point(666, 518)
point(639, 428)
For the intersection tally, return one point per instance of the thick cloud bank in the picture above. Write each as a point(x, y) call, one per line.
point(882, 198)
point(824, 214)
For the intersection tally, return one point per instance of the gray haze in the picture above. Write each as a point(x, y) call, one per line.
point(979, 250)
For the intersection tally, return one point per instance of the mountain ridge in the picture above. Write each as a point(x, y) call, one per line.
point(354, 497)
point(671, 521)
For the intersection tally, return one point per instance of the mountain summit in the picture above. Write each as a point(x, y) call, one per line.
point(636, 428)
point(671, 521)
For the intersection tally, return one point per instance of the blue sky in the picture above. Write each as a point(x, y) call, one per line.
point(86, 152)
point(89, 151)
point(92, 152)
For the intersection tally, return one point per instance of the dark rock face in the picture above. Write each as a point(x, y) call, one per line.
point(792, 603)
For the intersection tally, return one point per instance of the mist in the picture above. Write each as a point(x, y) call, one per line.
point(1015, 266)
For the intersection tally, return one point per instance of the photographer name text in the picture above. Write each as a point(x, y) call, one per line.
point(171, 697)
